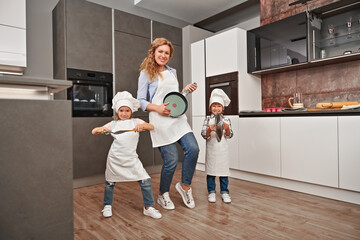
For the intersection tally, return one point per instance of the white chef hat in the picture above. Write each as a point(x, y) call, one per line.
point(125, 99)
point(219, 96)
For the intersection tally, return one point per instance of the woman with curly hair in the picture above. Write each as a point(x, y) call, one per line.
point(155, 81)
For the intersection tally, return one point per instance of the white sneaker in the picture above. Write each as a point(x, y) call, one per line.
point(226, 198)
point(212, 197)
point(152, 212)
point(186, 196)
point(107, 211)
point(165, 201)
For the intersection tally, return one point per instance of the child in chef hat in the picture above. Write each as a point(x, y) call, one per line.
point(217, 130)
point(123, 163)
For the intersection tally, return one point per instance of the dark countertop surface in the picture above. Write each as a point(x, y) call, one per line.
point(352, 112)
point(54, 85)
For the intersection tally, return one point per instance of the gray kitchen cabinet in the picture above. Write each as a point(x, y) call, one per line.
point(174, 35)
point(130, 50)
point(89, 151)
point(85, 31)
point(132, 40)
point(171, 33)
point(36, 170)
point(132, 24)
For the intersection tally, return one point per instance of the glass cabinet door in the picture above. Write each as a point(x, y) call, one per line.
point(278, 44)
point(335, 33)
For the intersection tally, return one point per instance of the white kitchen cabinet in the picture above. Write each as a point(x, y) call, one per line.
point(198, 76)
point(13, 13)
point(197, 123)
point(309, 149)
point(349, 152)
point(12, 46)
point(259, 145)
point(13, 36)
point(226, 52)
point(222, 53)
point(234, 143)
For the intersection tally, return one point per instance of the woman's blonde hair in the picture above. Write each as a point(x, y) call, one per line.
point(149, 64)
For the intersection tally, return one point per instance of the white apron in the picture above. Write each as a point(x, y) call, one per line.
point(123, 163)
point(167, 130)
point(217, 155)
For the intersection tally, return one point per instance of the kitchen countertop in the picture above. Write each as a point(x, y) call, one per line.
point(54, 85)
point(351, 112)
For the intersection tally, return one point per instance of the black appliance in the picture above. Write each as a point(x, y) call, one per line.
point(229, 84)
point(91, 94)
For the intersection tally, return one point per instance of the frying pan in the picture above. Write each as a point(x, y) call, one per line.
point(177, 102)
point(218, 127)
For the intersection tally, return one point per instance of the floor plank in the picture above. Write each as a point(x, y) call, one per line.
point(257, 212)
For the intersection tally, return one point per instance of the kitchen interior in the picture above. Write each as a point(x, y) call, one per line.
point(291, 69)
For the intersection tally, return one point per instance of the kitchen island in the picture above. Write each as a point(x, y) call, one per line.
point(36, 160)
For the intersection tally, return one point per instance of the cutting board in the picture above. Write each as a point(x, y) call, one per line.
point(323, 109)
point(334, 104)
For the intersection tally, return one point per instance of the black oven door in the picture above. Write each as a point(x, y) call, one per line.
point(91, 98)
point(229, 84)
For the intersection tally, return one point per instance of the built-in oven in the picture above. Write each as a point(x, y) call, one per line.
point(229, 84)
point(91, 94)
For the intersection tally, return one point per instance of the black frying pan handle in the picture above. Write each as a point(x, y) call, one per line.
point(185, 93)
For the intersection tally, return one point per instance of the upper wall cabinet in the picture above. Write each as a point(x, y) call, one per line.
point(278, 44)
point(327, 35)
point(222, 53)
point(13, 36)
point(82, 36)
point(132, 24)
point(335, 34)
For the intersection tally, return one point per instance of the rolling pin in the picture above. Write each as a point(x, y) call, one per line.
point(335, 104)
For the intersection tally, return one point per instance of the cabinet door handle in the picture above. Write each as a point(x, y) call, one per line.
point(219, 85)
point(255, 57)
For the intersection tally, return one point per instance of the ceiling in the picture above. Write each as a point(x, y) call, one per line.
point(191, 11)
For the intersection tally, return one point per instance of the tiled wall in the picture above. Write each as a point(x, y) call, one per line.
point(331, 83)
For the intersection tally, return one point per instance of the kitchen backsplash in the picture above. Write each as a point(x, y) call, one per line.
point(271, 11)
point(331, 83)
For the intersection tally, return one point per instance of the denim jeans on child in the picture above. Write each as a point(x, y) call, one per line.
point(170, 157)
point(224, 182)
point(145, 190)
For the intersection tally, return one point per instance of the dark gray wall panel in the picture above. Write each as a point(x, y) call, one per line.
point(58, 15)
point(144, 148)
point(90, 151)
point(176, 62)
point(89, 36)
point(171, 33)
point(130, 51)
point(36, 170)
point(132, 24)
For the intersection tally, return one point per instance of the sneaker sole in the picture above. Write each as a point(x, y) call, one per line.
point(152, 216)
point(177, 186)
point(167, 208)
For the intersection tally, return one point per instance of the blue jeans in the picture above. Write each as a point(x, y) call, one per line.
point(145, 190)
point(224, 183)
point(170, 157)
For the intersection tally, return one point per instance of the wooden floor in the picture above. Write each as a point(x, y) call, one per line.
point(257, 212)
